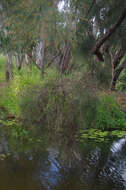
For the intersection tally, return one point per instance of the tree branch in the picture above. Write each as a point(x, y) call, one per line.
point(93, 3)
point(117, 74)
point(99, 43)
point(119, 55)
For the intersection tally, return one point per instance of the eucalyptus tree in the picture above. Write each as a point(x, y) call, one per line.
point(102, 32)
point(27, 23)
point(38, 31)
point(48, 35)
point(111, 21)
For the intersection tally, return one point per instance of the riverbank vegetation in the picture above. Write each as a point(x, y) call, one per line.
point(62, 77)
point(36, 111)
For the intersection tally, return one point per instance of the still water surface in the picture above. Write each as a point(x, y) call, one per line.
point(93, 167)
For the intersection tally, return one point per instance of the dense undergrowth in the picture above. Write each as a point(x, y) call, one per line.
point(54, 108)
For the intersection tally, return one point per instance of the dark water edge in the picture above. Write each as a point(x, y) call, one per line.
point(100, 166)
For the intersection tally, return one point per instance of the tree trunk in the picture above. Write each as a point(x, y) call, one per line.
point(27, 62)
point(92, 5)
point(43, 57)
point(115, 60)
point(117, 74)
point(65, 59)
point(8, 67)
point(99, 43)
point(19, 61)
point(119, 55)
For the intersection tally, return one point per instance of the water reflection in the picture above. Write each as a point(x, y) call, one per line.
point(114, 170)
point(49, 173)
point(18, 175)
point(97, 168)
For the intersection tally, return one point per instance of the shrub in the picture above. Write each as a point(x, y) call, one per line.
point(11, 95)
point(109, 114)
point(60, 107)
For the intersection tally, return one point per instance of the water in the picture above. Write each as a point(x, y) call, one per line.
point(93, 167)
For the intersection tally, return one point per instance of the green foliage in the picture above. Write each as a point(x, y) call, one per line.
point(101, 71)
point(85, 106)
point(98, 135)
point(109, 114)
point(93, 134)
point(11, 95)
point(19, 138)
point(59, 107)
point(56, 108)
point(121, 85)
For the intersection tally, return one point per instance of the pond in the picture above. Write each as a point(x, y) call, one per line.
point(100, 166)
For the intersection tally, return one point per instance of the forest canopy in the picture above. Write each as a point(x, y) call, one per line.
point(52, 33)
